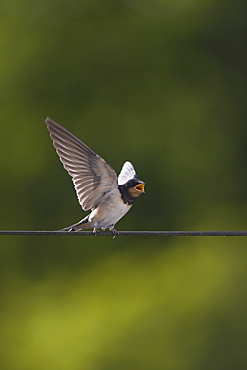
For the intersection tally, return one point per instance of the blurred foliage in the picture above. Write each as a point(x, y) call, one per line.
point(161, 83)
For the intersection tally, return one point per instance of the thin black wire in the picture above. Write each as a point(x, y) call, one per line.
point(124, 233)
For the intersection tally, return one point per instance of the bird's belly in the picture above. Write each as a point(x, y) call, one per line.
point(108, 213)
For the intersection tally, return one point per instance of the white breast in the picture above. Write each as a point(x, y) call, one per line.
point(109, 211)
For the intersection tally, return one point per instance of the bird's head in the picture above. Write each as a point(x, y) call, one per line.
point(135, 187)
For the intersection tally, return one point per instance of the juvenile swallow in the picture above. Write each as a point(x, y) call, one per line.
point(97, 186)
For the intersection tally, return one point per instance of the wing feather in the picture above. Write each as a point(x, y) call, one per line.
point(127, 173)
point(92, 175)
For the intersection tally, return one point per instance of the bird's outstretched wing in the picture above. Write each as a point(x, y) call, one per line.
point(127, 173)
point(92, 175)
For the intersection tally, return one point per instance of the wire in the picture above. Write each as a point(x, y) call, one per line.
point(124, 233)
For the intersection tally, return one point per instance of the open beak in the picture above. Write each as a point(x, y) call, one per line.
point(140, 187)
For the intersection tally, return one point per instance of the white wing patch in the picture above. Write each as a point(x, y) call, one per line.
point(127, 173)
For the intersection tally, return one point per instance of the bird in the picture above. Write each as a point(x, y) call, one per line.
point(96, 184)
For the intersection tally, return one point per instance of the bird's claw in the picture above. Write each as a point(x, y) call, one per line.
point(95, 232)
point(114, 233)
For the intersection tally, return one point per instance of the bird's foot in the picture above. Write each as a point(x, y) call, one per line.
point(114, 233)
point(95, 231)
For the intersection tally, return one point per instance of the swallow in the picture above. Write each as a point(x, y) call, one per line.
point(96, 184)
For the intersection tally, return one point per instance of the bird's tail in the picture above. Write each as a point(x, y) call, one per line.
point(83, 224)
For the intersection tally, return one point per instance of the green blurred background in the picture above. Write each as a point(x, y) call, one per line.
point(161, 83)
